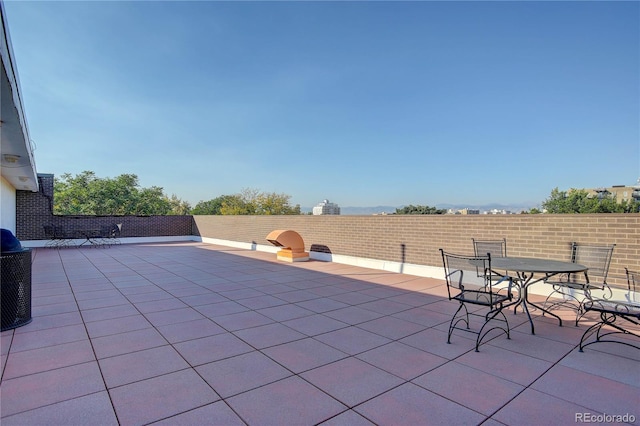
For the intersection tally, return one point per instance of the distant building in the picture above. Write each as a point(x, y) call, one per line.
point(619, 193)
point(469, 211)
point(463, 211)
point(325, 207)
point(497, 211)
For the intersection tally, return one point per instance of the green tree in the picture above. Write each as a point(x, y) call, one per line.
point(411, 209)
point(251, 201)
point(579, 201)
point(178, 207)
point(87, 194)
point(237, 205)
point(212, 207)
point(151, 201)
point(275, 204)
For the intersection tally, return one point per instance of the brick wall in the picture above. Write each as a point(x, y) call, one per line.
point(413, 239)
point(416, 239)
point(34, 210)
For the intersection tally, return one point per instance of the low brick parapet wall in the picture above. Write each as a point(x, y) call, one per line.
point(401, 239)
point(415, 239)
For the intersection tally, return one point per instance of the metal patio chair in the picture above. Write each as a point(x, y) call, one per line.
point(496, 248)
point(108, 235)
point(57, 236)
point(574, 289)
point(114, 234)
point(626, 308)
point(65, 237)
point(50, 235)
point(465, 286)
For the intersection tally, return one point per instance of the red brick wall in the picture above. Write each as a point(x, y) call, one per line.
point(413, 239)
point(418, 237)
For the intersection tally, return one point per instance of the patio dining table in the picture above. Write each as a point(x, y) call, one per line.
point(530, 271)
point(90, 235)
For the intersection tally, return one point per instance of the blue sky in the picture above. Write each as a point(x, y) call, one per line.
point(363, 103)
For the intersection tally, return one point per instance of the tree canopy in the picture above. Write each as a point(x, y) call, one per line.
point(579, 201)
point(411, 209)
point(212, 207)
point(249, 201)
point(87, 194)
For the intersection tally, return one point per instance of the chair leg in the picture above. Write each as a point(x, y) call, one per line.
point(595, 328)
point(608, 319)
point(491, 315)
point(454, 322)
point(569, 301)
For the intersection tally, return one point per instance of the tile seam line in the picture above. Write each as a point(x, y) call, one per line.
point(86, 330)
point(190, 366)
point(529, 386)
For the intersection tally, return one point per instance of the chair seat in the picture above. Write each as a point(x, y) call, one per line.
point(481, 297)
point(613, 307)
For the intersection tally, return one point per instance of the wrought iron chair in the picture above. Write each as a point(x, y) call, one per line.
point(57, 236)
point(50, 235)
point(65, 237)
point(633, 278)
point(109, 234)
point(496, 248)
point(574, 289)
point(116, 230)
point(465, 286)
point(627, 309)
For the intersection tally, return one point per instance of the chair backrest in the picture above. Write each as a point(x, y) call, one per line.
point(497, 248)
point(595, 257)
point(48, 231)
point(460, 273)
point(60, 232)
point(106, 231)
point(632, 278)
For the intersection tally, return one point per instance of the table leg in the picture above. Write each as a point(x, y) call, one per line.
point(526, 281)
point(89, 238)
point(545, 312)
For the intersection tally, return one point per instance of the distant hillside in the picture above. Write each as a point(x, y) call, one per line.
point(359, 210)
point(367, 210)
point(514, 208)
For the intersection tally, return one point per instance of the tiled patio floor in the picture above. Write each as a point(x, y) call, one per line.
point(189, 333)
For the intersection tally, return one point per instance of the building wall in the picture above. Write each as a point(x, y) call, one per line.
point(326, 207)
point(619, 193)
point(7, 205)
point(415, 239)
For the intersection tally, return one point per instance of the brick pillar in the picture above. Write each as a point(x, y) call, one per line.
point(34, 209)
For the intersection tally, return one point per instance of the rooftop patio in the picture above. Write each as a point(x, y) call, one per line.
point(191, 333)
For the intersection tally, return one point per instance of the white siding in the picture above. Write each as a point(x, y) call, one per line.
point(7, 206)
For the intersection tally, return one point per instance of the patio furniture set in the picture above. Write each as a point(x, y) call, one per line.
point(491, 279)
point(104, 236)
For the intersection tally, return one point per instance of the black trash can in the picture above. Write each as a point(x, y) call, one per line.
point(15, 283)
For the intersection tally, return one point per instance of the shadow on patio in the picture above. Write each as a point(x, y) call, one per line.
point(189, 333)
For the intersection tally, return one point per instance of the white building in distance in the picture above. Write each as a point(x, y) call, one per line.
point(325, 207)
